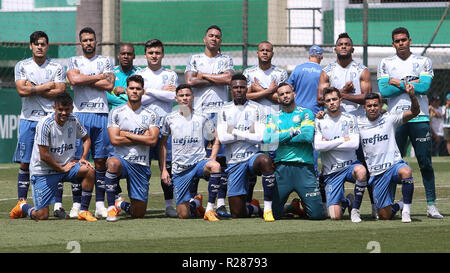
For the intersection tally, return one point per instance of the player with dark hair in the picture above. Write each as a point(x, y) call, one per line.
point(384, 162)
point(132, 129)
point(240, 128)
point(91, 75)
point(159, 84)
point(188, 129)
point(38, 80)
point(418, 70)
point(53, 161)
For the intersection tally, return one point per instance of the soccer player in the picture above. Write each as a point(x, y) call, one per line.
point(209, 73)
point(132, 129)
point(293, 128)
point(447, 122)
point(188, 129)
point(159, 84)
point(53, 161)
point(38, 80)
point(337, 139)
point(91, 75)
point(384, 162)
point(353, 81)
point(240, 128)
point(419, 71)
point(122, 71)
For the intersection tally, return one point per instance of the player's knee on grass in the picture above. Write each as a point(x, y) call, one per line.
point(183, 210)
point(335, 212)
point(138, 208)
point(237, 206)
point(42, 214)
point(385, 213)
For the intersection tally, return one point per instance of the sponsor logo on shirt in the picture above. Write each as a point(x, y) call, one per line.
point(375, 139)
point(62, 149)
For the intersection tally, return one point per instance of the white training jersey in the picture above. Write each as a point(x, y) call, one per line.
point(188, 135)
point(265, 78)
point(209, 99)
point(247, 122)
point(411, 68)
point(136, 122)
point(154, 81)
point(331, 129)
point(36, 107)
point(339, 75)
point(60, 140)
point(88, 99)
point(378, 141)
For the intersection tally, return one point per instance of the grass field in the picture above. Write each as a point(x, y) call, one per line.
point(158, 234)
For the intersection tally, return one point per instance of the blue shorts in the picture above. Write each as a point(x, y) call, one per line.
point(96, 127)
point(138, 179)
point(27, 130)
point(182, 181)
point(44, 186)
point(154, 151)
point(384, 185)
point(334, 184)
point(238, 175)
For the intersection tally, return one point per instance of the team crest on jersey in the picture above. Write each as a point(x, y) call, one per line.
point(69, 132)
point(48, 74)
point(297, 118)
point(100, 66)
point(165, 79)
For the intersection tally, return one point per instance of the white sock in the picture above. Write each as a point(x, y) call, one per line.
point(169, 203)
point(57, 206)
point(99, 204)
point(407, 207)
point(220, 202)
point(209, 206)
point(76, 205)
point(267, 205)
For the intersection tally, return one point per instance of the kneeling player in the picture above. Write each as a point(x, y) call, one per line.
point(52, 161)
point(188, 130)
point(132, 129)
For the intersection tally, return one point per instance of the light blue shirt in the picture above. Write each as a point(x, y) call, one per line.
point(305, 79)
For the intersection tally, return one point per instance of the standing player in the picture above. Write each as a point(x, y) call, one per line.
point(91, 75)
point(337, 138)
point(262, 82)
point(209, 73)
point(240, 128)
point(293, 128)
point(53, 161)
point(353, 81)
point(126, 55)
point(159, 84)
point(132, 128)
point(38, 80)
point(384, 162)
point(189, 129)
point(417, 69)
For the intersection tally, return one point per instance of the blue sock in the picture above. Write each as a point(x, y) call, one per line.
point(111, 181)
point(407, 190)
point(360, 187)
point(249, 209)
point(23, 183)
point(193, 187)
point(268, 182)
point(223, 185)
point(76, 191)
point(213, 186)
point(100, 185)
point(86, 196)
point(395, 208)
point(125, 206)
point(28, 210)
point(251, 187)
point(59, 192)
point(345, 204)
point(168, 191)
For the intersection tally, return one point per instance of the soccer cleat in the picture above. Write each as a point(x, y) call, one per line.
point(433, 212)
point(300, 211)
point(222, 211)
point(112, 215)
point(255, 203)
point(17, 212)
point(355, 216)
point(87, 216)
point(61, 214)
point(171, 212)
point(74, 211)
point(268, 216)
point(200, 210)
point(211, 216)
point(406, 218)
point(101, 212)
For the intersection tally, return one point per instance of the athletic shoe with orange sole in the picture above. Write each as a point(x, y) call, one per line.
point(17, 212)
point(200, 210)
point(211, 216)
point(87, 216)
point(112, 215)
